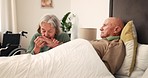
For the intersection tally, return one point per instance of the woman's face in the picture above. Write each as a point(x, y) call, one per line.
point(47, 30)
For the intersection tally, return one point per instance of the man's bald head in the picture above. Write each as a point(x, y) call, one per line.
point(112, 27)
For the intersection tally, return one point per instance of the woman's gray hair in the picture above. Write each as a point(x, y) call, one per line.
point(53, 20)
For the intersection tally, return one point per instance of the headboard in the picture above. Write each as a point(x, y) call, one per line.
point(135, 10)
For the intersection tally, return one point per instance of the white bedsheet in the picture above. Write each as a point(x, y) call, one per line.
point(74, 59)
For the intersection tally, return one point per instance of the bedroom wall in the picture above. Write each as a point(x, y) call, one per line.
point(91, 14)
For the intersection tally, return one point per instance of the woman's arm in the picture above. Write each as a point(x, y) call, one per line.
point(32, 44)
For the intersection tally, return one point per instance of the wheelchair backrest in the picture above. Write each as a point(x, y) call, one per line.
point(12, 39)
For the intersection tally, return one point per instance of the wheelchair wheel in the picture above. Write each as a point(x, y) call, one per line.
point(17, 51)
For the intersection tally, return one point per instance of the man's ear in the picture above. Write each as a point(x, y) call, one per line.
point(117, 29)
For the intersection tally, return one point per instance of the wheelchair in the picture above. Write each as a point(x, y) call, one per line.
point(10, 45)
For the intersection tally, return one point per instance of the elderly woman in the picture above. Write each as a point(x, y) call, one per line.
point(48, 35)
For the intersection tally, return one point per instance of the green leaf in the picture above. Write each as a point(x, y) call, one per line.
point(65, 17)
point(66, 26)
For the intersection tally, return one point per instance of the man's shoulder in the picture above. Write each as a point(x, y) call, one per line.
point(117, 41)
point(100, 41)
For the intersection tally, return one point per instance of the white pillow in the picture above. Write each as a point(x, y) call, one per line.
point(142, 56)
point(129, 37)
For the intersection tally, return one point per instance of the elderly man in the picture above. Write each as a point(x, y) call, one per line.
point(110, 48)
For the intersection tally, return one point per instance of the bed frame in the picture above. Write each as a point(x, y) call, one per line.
point(135, 10)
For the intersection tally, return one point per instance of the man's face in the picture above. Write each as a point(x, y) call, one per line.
point(107, 29)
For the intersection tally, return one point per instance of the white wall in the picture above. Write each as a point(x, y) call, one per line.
point(90, 13)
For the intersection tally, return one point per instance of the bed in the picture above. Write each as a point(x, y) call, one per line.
point(78, 59)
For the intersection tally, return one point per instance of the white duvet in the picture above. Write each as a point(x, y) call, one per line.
point(74, 59)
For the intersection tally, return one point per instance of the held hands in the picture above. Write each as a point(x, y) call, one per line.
point(50, 42)
point(42, 41)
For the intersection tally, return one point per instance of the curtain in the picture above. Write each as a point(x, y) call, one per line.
point(8, 20)
point(8, 16)
point(0, 13)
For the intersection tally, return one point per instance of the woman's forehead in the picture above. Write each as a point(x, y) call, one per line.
point(47, 26)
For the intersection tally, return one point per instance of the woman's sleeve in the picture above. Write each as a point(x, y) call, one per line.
point(63, 37)
point(31, 45)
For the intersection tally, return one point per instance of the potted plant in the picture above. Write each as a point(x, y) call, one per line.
point(66, 23)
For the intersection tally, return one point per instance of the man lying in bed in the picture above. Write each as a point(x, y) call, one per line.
point(111, 49)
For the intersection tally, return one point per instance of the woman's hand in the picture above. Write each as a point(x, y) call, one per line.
point(39, 43)
point(51, 42)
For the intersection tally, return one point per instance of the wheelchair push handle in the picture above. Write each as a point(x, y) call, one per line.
point(23, 33)
point(8, 32)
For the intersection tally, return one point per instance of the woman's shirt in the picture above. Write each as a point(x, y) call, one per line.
point(62, 38)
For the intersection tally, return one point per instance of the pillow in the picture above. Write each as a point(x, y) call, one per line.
point(129, 37)
point(142, 57)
